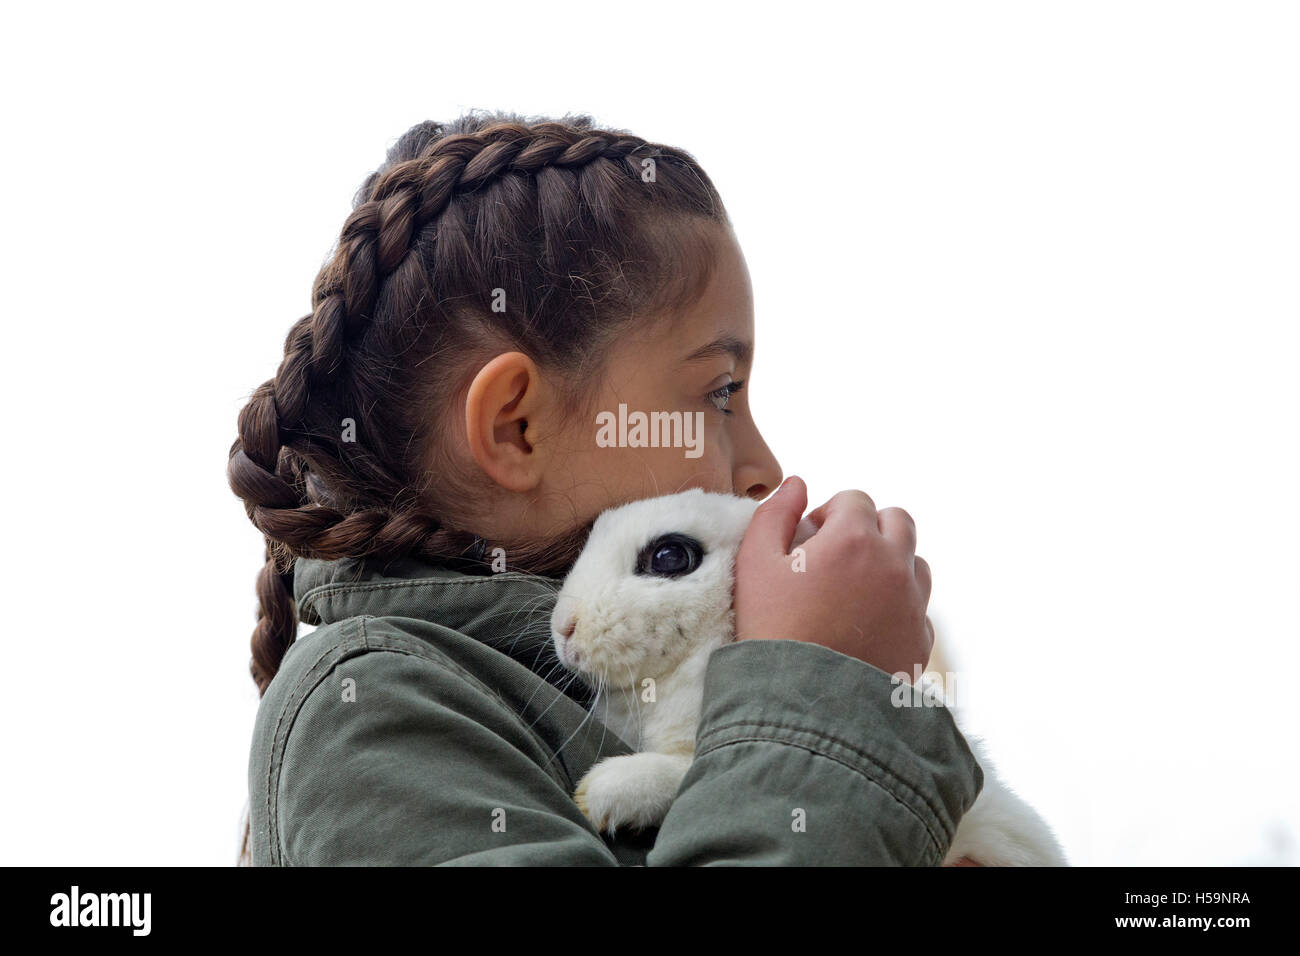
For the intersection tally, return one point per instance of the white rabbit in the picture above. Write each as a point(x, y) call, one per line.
point(645, 604)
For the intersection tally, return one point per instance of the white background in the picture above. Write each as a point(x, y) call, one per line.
point(1028, 270)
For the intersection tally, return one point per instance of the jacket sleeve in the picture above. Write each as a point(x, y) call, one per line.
point(804, 756)
point(801, 759)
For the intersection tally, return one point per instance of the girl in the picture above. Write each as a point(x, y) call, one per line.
point(425, 464)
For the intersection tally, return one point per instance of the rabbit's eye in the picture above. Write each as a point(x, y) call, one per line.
point(670, 556)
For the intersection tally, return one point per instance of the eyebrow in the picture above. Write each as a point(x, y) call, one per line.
point(723, 345)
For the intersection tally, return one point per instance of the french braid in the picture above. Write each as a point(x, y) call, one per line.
point(557, 214)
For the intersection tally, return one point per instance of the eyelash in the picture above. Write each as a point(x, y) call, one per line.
point(725, 394)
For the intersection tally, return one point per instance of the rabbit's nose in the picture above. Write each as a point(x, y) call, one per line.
point(570, 625)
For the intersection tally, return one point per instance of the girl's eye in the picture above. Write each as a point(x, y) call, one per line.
point(721, 396)
point(670, 556)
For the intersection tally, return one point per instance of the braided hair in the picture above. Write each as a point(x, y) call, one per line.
point(577, 230)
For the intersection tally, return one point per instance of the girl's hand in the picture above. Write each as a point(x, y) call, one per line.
point(858, 588)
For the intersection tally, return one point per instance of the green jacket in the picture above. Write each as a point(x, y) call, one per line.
point(425, 721)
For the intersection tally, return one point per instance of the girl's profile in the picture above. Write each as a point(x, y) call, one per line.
point(621, 435)
point(425, 468)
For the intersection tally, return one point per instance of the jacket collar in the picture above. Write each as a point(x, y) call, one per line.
point(509, 611)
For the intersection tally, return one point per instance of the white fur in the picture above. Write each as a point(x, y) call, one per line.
point(629, 629)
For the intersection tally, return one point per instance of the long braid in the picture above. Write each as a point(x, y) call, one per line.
point(556, 215)
point(315, 496)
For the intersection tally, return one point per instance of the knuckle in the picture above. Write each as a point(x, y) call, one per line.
point(863, 497)
point(898, 512)
point(855, 495)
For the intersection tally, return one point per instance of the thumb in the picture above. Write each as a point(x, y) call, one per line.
point(772, 527)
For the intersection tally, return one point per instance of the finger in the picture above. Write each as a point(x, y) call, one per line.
point(803, 531)
point(922, 571)
point(897, 525)
point(772, 527)
point(845, 509)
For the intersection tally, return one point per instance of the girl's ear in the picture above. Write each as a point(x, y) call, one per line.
point(506, 407)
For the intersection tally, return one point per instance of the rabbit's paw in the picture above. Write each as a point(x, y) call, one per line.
point(633, 790)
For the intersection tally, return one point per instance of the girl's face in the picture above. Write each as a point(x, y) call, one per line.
point(698, 367)
point(686, 384)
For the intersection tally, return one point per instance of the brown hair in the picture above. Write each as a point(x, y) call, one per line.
point(578, 230)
